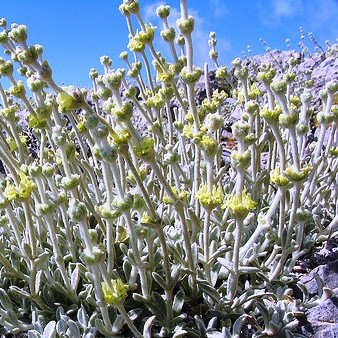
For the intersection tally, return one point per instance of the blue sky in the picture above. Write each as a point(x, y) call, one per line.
point(76, 33)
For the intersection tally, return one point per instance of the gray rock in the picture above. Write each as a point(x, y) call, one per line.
point(328, 273)
point(323, 320)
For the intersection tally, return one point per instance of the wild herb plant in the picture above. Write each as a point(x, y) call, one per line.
point(112, 230)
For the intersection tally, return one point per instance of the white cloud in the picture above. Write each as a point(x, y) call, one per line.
point(273, 12)
point(200, 35)
point(219, 8)
point(284, 8)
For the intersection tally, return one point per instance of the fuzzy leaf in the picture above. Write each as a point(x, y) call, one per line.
point(73, 329)
point(33, 334)
point(178, 301)
point(5, 300)
point(19, 292)
point(158, 306)
point(180, 333)
point(147, 327)
point(239, 324)
point(127, 269)
point(212, 323)
point(50, 330)
point(200, 325)
point(100, 326)
point(61, 326)
point(75, 278)
point(175, 274)
point(38, 280)
point(209, 291)
point(159, 280)
point(225, 263)
point(118, 324)
point(82, 317)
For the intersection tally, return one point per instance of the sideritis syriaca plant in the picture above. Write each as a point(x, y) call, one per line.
point(112, 230)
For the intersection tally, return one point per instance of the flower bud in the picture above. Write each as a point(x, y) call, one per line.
point(279, 87)
point(221, 73)
point(18, 33)
point(325, 118)
point(77, 210)
point(237, 62)
point(180, 40)
point(6, 68)
point(34, 84)
point(18, 90)
point(214, 122)
point(332, 86)
point(168, 34)
point(145, 149)
point(35, 170)
point(122, 204)
point(48, 169)
point(186, 26)
point(70, 183)
point(163, 11)
point(94, 256)
point(241, 160)
point(209, 145)
point(271, 117)
point(45, 209)
point(69, 99)
point(93, 74)
point(124, 113)
point(106, 61)
point(191, 77)
point(130, 93)
point(279, 178)
point(242, 73)
point(240, 129)
point(3, 23)
point(252, 107)
point(289, 120)
point(124, 55)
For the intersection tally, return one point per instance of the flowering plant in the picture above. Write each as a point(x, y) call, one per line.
point(152, 232)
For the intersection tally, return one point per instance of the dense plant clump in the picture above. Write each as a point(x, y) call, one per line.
point(114, 231)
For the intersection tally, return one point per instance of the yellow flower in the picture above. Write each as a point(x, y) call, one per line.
point(116, 292)
point(297, 176)
point(67, 101)
point(279, 179)
point(240, 205)
point(11, 143)
point(271, 116)
point(188, 130)
point(144, 148)
point(209, 145)
point(24, 190)
point(146, 219)
point(179, 195)
point(10, 192)
point(26, 186)
point(210, 199)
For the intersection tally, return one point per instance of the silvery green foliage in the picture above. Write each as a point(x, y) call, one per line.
point(108, 229)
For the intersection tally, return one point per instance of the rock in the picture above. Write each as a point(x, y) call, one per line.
point(323, 320)
point(328, 274)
